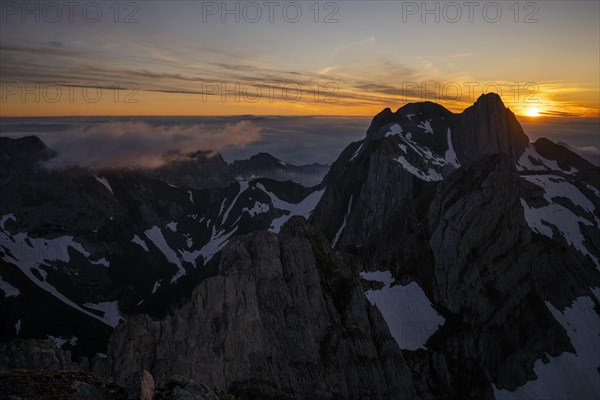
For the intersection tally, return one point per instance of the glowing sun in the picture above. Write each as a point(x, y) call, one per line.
point(533, 112)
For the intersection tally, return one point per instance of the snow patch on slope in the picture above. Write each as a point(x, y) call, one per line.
point(357, 152)
point(593, 189)
point(430, 175)
point(394, 130)
point(258, 208)
point(105, 183)
point(432, 164)
point(243, 188)
point(59, 341)
point(450, 155)
point(218, 240)
point(406, 309)
point(103, 261)
point(343, 226)
point(5, 218)
point(303, 208)
point(110, 311)
point(139, 241)
point(567, 376)
point(155, 235)
point(426, 126)
point(8, 289)
point(565, 220)
point(30, 254)
point(531, 160)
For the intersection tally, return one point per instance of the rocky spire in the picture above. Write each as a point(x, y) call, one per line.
point(486, 128)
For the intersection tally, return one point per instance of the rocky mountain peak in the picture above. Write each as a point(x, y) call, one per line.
point(264, 157)
point(423, 107)
point(23, 144)
point(22, 153)
point(489, 127)
point(490, 98)
point(562, 154)
point(386, 116)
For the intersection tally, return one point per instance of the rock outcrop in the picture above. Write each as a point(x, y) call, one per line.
point(44, 384)
point(140, 386)
point(56, 385)
point(38, 354)
point(284, 316)
point(486, 128)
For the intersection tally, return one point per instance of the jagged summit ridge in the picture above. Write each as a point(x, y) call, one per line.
point(487, 127)
point(420, 144)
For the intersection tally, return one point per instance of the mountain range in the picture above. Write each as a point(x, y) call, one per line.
point(443, 256)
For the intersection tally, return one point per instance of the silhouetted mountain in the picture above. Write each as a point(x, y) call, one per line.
point(264, 165)
point(26, 153)
point(199, 169)
point(498, 232)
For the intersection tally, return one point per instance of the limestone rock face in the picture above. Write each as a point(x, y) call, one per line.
point(140, 386)
point(474, 220)
point(38, 354)
point(486, 128)
point(284, 315)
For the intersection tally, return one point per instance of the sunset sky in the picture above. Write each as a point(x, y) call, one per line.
point(181, 59)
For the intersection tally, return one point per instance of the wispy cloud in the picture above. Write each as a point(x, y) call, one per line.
point(367, 42)
point(372, 81)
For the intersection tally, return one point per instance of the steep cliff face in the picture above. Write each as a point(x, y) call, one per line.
point(495, 280)
point(284, 316)
point(499, 233)
point(477, 233)
point(403, 154)
point(488, 127)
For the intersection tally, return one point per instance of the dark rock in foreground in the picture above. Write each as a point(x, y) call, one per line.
point(284, 316)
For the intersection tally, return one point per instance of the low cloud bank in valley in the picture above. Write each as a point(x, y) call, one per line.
point(125, 143)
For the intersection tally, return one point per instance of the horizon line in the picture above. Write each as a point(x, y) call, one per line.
point(267, 115)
